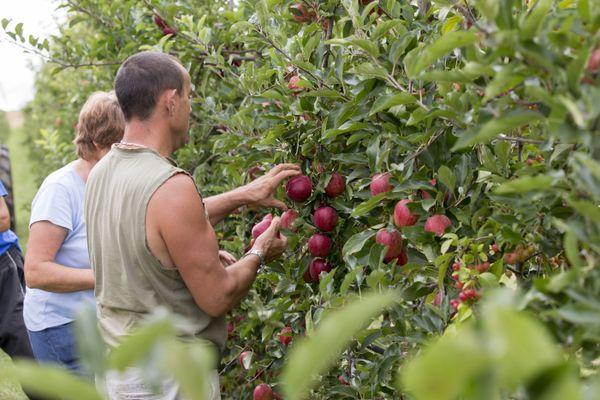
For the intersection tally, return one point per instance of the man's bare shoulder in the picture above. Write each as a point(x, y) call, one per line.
point(179, 193)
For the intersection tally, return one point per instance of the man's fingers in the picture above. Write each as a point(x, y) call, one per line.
point(277, 204)
point(283, 175)
point(284, 167)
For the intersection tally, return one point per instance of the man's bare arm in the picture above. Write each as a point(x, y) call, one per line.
point(192, 245)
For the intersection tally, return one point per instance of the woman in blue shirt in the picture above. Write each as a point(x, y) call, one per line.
point(57, 266)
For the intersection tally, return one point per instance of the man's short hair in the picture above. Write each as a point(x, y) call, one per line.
point(142, 78)
point(100, 123)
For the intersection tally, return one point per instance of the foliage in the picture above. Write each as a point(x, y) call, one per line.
point(483, 111)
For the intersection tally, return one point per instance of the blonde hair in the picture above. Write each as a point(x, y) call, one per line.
point(100, 124)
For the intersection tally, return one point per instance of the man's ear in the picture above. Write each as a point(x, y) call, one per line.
point(169, 100)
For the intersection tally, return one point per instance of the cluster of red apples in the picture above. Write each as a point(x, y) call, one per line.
point(325, 219)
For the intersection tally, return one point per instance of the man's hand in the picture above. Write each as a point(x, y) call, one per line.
point(261, 191)
point(270, 242)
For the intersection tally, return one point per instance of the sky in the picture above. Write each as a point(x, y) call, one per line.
point(17, 68)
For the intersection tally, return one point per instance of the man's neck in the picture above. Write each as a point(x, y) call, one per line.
point(149, 134)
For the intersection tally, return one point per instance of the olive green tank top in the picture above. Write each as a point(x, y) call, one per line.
point(130, 281)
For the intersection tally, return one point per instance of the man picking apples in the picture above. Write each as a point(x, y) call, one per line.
point(150, 233)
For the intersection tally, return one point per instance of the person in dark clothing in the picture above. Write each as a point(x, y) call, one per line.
point(13, 334)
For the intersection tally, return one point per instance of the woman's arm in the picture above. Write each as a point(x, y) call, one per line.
point(4, 216)
point(41, 272)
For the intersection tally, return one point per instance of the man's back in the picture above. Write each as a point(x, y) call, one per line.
point(130, 280)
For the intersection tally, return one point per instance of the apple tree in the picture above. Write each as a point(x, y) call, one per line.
point(447, 147)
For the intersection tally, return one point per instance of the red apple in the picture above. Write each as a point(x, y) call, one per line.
point(325, 218)
point(293, 84)
point(299, 188)
point(245, 359)
point(285, 335)
point(168, 30)
point(437, 300)
point(262, 392)
point(159, 22)
point(392, 240)
point(306, 276)
point(317, 266)
point(262, 226)
point(300, 14)
point(319, 245)
point(594, 61)
point(402, 214)
point(402, 258)
point(288, 218)
point(454, 303)
point(380, 183)
point(437, 224)
point(336, 185)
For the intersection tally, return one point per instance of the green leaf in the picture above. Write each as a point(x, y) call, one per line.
point(420, 58)
point(135, 347)
point(496, 126)
point(357, 242)
point(571, 249)
point(311, 356)
point(370, 70)
point(90, 345)
point(446, 176)
point(349, 278)
point(366, 206)
point(50, 381)
point(587, 209)
point(525, 184)
point(505, 80)
point(535, 19)
point(368, 46)
point(520, 346)
point(386, 102)
point(344, 128)
point(191, 364)
point(429, 377)
point(489, 8)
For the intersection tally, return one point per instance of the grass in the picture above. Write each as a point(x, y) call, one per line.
point(23, 183)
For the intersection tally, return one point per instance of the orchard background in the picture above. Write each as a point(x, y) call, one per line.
point(486, 112)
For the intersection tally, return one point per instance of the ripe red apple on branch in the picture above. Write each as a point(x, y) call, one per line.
point(245, 359)
point(402, 214)
point(299, 188)
point(285, 335)
point(288, 218)
point(325, 218)
point(293, 84)
point(437, 224)
point(301, 14)
point(336, 185)
point(380, 183)
point(262, 226)
point(262, 392)
point(319, 245)
point(594, 62)
point(392, 240)
point(317, 266)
